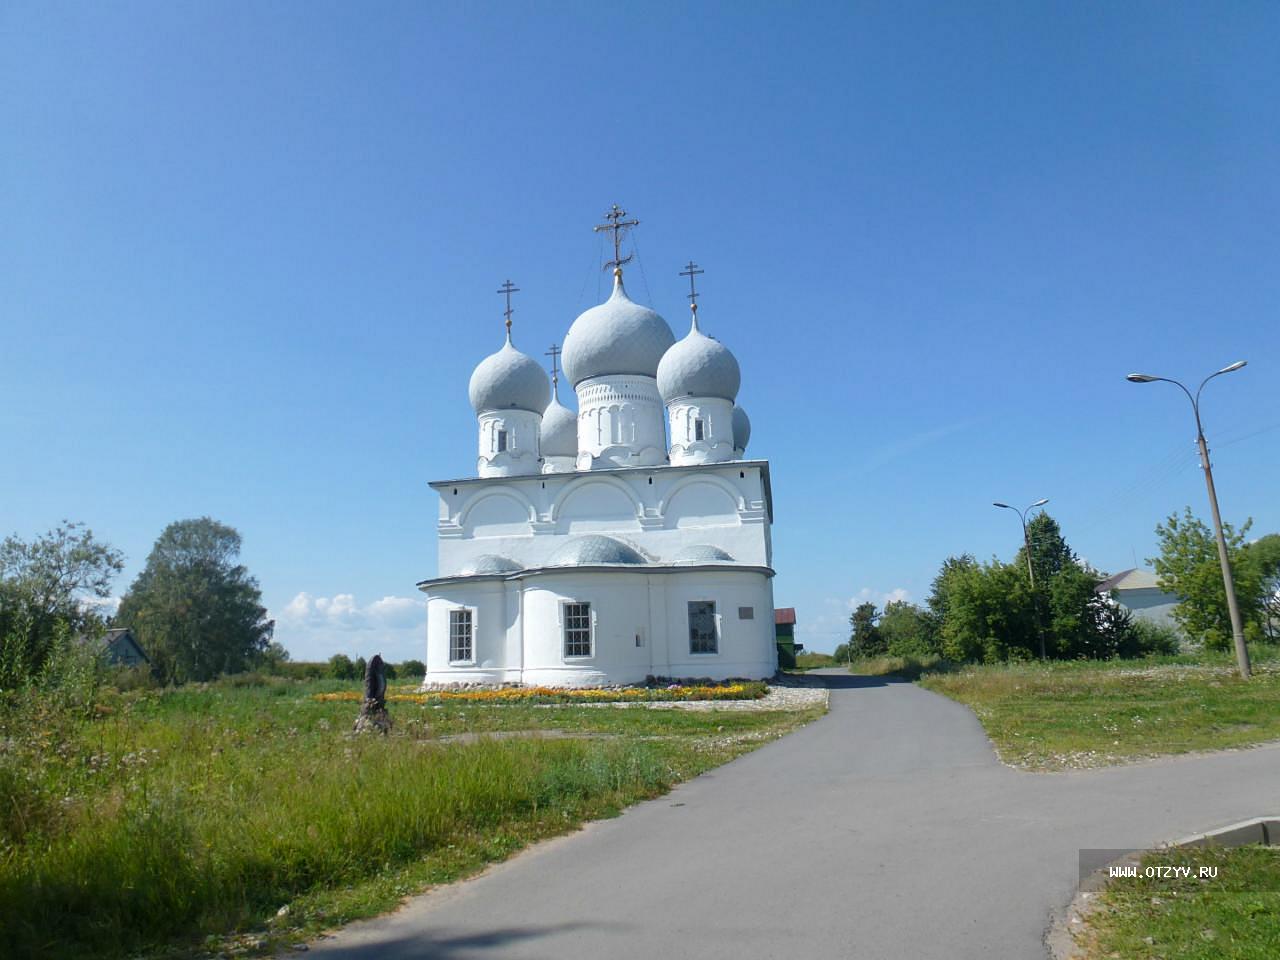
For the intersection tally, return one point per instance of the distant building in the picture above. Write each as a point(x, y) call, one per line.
point(122, 649)
point(1139, 592)
point(784, 633)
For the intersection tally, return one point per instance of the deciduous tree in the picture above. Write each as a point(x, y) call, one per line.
point(194, 608)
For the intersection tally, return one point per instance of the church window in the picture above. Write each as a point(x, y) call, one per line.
point(699, 428)
point(746, 613)
point(502, 440)
point(702, 627)
point(460, 636)
point(577, 629)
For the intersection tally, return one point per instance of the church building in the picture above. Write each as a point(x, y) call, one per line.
point(627, 540)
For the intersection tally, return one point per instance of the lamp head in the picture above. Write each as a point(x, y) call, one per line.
point(1141, 378)
point(1235, 366)
point(1041, 503)
point(1005, 505)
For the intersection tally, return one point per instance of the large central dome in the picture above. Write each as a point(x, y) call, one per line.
point(616, 337)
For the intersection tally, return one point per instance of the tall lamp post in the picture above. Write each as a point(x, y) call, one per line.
point(1228, 581)
point(1031, 573)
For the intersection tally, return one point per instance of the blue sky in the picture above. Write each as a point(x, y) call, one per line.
point(248, 255)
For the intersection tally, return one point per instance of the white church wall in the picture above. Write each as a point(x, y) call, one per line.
point(659, 511)
point(619, 614)
point(716, 417)
point(620, 422)
point(746, 647)
point(509, 443)
point(639, 627)
point(493, 646)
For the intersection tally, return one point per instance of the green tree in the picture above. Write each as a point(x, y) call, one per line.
point(1050, 553)
point(1264, 556)
point(44, 589)
point(991, 613)
point(341, 667)
point(865, 639)
point(908, 631)
point(194, 608)
point(413, 669)
point(1189, 566)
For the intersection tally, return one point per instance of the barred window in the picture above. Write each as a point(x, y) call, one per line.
point(577, 629)
point(460, 649)
point(702, 627)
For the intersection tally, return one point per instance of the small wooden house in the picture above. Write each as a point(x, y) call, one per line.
point(122, 649)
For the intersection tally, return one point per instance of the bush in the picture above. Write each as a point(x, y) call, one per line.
point(1151, 639)
point(341, 667)
point(413, 669)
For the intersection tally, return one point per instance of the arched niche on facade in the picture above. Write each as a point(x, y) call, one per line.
point(596, 503)
point(701, 502)
point(501, 513)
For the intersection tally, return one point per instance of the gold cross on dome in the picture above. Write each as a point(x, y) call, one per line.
point(508, 288)
point(618, 226)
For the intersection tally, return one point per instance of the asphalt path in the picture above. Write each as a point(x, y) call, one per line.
point(887, 829)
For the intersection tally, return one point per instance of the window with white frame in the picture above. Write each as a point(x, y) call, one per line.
point(461, 646)
point(577, 629)
point(702, 627)
point(502, 440)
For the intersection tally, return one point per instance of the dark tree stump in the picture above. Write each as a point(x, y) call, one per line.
point(373, 712)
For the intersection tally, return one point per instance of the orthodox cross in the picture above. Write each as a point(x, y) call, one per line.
point(508, 288)
point(691, 270)
point(554, 354)
point(617, 225)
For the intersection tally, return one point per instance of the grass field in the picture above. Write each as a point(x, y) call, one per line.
point(223, 817)
point(1235, 915)
point(1092, 713)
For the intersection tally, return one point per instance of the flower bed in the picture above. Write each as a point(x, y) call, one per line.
point(744, 690)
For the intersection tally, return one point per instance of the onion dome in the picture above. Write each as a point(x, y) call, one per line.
point(741, 429)
point(559, 431)
point(702, 553)
point(490, 563)
point(509, 380)
point(698, 366)
point(616, 337)
point(593, 550)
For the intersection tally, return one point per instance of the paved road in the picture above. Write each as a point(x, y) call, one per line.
point(885, 830)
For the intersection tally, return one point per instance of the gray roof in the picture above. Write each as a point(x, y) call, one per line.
point(1135, 578)
point(616, 337)
point(509, 380)
point(702, 553)
point(594, 550)
point(559, 431)
point(698, 366)
point(741, 429)
point(489, 563)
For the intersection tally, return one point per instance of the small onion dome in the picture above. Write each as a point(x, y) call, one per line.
point(615, 337)
point(508, 380)
point(698, 366)
point(559, 436)
point(489, 563)
point(702, 553)
point(592, 550)
point(741, 429)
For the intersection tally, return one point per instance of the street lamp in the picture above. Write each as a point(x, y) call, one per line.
point(1233, 608)
point(1031, 573)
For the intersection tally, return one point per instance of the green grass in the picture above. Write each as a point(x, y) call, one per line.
point(813, 661)
point(1083, 714)
point(183, 821)
point(1236, 915)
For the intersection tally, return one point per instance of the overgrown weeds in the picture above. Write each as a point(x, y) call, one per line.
point(164, 818)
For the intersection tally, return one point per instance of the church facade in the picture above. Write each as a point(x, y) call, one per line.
point(627, 540)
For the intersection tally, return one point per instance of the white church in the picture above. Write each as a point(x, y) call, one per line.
point(628, 540)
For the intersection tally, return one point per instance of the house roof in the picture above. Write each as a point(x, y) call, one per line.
point(784, 615)
point(1135, 578)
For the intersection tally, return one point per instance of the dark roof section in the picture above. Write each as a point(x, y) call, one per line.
point(784, 615)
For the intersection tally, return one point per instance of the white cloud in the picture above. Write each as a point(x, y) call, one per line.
point(879, 598)
point(315, 628)
point(103, 606)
